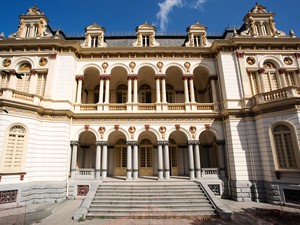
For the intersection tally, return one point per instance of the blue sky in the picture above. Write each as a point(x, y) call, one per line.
point(72, 16)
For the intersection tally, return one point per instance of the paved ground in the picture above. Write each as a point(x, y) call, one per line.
point(244, 213)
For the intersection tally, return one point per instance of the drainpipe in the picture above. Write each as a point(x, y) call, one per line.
point(224, 130)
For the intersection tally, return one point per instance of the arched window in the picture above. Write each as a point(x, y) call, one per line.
point(122, 93)
point(14, 152)
point(284, 147)
point(28, 29)
point(145, 94)
point(170, 93)
point(270, 77)
point(23, 84)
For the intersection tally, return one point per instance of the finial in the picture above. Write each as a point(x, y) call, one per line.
point(235, 34)
point(2, 35)
point(196, 22)
point(292, 33)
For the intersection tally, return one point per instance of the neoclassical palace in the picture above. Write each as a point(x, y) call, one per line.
point(224, 110)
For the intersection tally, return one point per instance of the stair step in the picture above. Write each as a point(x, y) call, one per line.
point(132, 205)
point(150, 199)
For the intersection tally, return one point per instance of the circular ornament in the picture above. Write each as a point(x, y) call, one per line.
point(250, 60)
point(288, 61)
point(43, 61)
point(6, 62)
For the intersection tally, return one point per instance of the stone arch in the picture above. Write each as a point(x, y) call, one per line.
point(116, 65)
point(183, 129)
point(211, 129)
point(150, 65)
point(178, 65)
point(82, 129)
point(118, 77)
point(22, 60)
point(139, 131)
point(207, 67)
point(271, 59)
point(83, 69)
point(112, 129)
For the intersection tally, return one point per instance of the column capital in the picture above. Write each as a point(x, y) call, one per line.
point(102, 143)
point(107, 77)
point(33, 72)
point(240, 54)
point(101, 77)
point(72, 143)
point(193, 142)
point(220, 142)
point(282, 70)
point(213, 77)
point(163, 142)
point(261, 70)
point(131, 143)
point(79, 77)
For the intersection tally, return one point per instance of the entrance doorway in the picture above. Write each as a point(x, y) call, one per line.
point(146, 158)
point(120, 158)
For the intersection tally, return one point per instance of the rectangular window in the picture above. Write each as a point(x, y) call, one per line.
point(197, 41)
point(4, 80)
point(146, 41)
point(8, 196)
point(23, 84)
point(253, 83)
point(289, 78)
point(94, 41)
point(41, 82)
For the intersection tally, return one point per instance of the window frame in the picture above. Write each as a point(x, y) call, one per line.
point(21, 168)
point(294, 143)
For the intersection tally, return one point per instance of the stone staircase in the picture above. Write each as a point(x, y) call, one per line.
point(160, 199)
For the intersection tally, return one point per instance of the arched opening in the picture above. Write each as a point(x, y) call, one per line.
point(174, 85)
point(178, 154)
point(202, 86)
point(24, 83)
point(118, 85)
point(147, 154)
point(86, 152)
point(117, 154)
point(208, 150)
point(90, 86)
point(146, 84)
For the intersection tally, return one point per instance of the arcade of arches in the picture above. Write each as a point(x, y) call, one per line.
point(146, 86)
point(147, 156)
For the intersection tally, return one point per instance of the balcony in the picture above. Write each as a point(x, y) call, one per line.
point(32, 100)
point(276, 96)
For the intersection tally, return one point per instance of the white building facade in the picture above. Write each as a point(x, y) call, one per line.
point(220, 109)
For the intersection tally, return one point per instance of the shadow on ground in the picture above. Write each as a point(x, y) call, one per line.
point(257, 216)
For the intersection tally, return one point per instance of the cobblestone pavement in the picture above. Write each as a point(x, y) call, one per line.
point(244, 213)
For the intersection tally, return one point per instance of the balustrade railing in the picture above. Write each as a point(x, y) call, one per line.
point(210, 172)
point(276, 95)
point(86, 172)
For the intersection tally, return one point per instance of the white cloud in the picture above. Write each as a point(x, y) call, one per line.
point(198, 4)
point(167, 6)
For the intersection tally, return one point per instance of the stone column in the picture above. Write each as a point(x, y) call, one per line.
point(191, 161)
point(163, 87)
point(104, 159)
point(135, 89)
point(160, 161)
point(135, 161)
point(129, 163)
point(282, 72)
point(107, 89)
point(98, 160)
point(192, 91)
point(297, 77)
point(74, 146)
point(166, 160)
point(129, 89)
point(213, 88)
point(12, 80)
point(221, 156)
point(79, 88)
point(261, 85)
point(33, 82)
point(157, 80)
point(101, 89)
point(186, 91)
point(197, 160)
